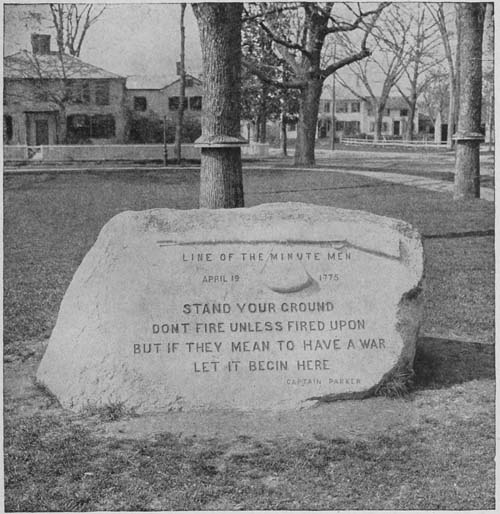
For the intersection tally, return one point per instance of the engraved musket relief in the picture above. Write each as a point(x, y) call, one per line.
point(265, 307)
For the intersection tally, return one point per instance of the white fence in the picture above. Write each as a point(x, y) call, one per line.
point(86, 153)
point(82, 153)
point(387, 142)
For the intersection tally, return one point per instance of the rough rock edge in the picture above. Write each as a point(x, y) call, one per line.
point(410, 301)
point(402, 371)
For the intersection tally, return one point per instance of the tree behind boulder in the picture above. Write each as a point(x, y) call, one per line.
point(221, 182)
point(468, 137)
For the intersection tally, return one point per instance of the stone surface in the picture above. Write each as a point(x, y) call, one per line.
point(268, 307)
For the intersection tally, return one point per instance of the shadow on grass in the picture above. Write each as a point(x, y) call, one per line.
point(455, 235)
point(443, 362)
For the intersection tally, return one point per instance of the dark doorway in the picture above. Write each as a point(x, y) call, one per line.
point(7, 128)
point(396, 128)
point(444, 132)
point(42, 132)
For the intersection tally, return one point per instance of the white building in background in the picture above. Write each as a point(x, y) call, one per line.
point(38, 84)
point(151, 99)
point(355, 117)
point(160, 96)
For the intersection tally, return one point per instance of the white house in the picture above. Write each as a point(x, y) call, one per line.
point(51, 99)
point(355, 117)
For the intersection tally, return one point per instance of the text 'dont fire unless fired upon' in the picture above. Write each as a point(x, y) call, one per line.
point(269, 307)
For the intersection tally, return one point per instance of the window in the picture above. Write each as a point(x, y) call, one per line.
point(80, 92)
point(195, 103)
point(326, 106)
point(385, 127)
point(102, 126)
point(102, 92)
point(41, 95)
point(189, 82)
point(82, 126)
point(7, 128)
point(355, 107)
point(351, 128)
point(78, 121)
point(403, 112)
point(78, 127)
point(140, 103)
point(387, 112)
point(292, 126)
point(339, 125)
point(173, 103)
point(372, 126)
point(341, 107)
point(323, 128)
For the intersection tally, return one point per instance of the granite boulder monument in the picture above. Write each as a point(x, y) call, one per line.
point(270, 307)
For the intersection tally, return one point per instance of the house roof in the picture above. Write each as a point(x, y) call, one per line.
point(154, 81)
point(25, 65)
point(396, 102)
point(148, 82)
point(393, 102)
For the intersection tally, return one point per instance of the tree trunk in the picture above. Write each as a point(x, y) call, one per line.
point(456, 78)
point(283, 138)
point(491, 121)
point(221, 182)
point(182, 92)
point(489, 50)
point(379, 114)
point(308, 120)
point(452, 73)
point(411, 119)
point(261, 122)
point(262, 118)
point(334, 121)
point(452, 86)
point(469, 119)
point(62, 135)
point(263, 128)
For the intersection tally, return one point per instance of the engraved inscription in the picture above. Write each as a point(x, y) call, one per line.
point(233, 327)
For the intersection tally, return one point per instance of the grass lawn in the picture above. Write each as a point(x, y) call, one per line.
point(442, 457)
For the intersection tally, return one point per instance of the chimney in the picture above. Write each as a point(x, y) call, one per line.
point(40, 43)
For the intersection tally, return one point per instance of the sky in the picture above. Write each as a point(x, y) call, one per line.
point(128, 39)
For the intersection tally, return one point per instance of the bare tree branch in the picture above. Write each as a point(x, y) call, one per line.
point(257, 71)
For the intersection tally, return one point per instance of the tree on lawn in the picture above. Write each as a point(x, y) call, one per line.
point(289, 102)
point(489, 73)
point(301, 44)
point(444, 16)
point(435, 95)
point(467, 172)
point(182, 89)
point(221, 181)
point(423, 58)
point(386, 65)
point(262, 101)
